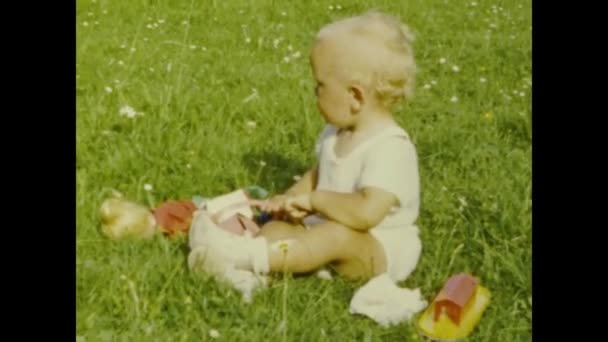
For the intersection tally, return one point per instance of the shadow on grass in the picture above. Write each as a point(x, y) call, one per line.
point(276, 175)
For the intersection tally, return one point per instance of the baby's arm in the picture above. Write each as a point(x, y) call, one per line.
point(360, 211)
point(305, 185)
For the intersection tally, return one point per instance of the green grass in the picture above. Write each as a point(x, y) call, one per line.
point(191, 81)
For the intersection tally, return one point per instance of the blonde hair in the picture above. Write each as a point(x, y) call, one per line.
point(122, 219)
point(392, 71)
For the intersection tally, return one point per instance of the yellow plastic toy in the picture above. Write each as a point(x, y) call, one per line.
point(456, 310)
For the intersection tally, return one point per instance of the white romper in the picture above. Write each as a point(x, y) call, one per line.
point(387, 161)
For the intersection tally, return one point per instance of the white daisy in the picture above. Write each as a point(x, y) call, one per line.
point(214, 333)
point(127, 111)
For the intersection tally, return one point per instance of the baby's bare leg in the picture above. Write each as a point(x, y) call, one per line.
point(278, 230)
point(354, 254)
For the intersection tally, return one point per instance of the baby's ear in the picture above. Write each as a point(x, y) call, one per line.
point(357, 98)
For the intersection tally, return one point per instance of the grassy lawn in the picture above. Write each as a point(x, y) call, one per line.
point(224, 98)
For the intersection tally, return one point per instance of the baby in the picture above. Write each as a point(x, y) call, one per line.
point(356, 209)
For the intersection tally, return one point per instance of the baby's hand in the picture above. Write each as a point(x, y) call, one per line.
point(298, 206)
point(274, 204)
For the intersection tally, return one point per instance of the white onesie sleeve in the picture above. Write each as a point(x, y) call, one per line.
point(392, 165)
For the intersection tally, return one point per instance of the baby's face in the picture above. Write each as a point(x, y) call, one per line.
point(333, 96)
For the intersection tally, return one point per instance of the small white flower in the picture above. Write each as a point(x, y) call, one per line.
point(515, 91)
point(276, 42)
point(185, 22)
point(455, 68)
point(161, 21)
point(283, 13)
point(116, 82)
point(214, 333)
point(297, 178)
point(262, 163)
point(289, 47)
point(108, 90)
point(251, 124)
point(338, 7)
point(427, 86)
point(247, 40)
point(155, 25)
point(188, 166)
point(151, 69)
point(123, 277)
point(473, 4)
point(123, 46)
point(132, 49)
point(203, 48)
point(493, 25)
point(85, 23)
point(192, 47)
point(149, 26)
point(331, 8)
point(521, 93)
point(96, 22)
point(105, 132)
point(121, 63)
point(482, 80)
point(442, 60)
point(296, 55)
point(286, 59)
point(128, 111)
point(147, 187)
point(433, 82)
point(104, 12)
point(454, 99)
